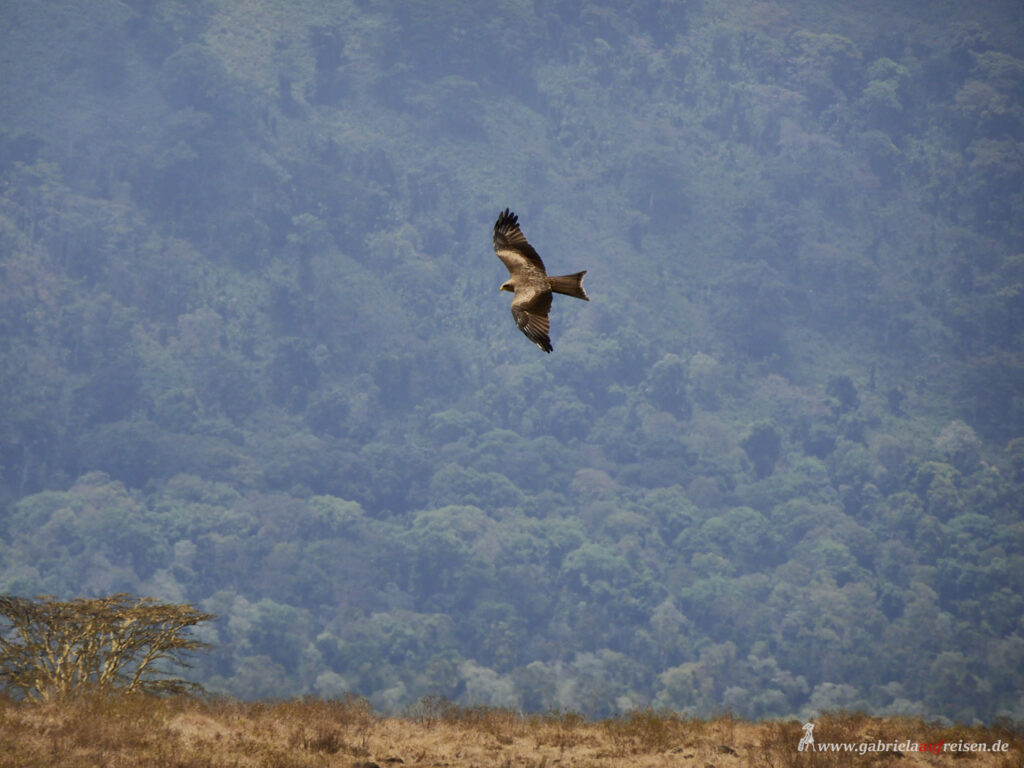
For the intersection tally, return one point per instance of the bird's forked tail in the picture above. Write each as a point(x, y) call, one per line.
point(570, 285)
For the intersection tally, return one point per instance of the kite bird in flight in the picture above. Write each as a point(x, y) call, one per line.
point(529, 281)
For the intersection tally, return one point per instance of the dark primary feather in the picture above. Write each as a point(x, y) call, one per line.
point(512, 246)
point(531, 315)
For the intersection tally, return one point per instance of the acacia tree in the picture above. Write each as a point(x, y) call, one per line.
point(51, 648)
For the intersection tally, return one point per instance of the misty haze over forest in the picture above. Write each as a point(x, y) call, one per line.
point(253, 356)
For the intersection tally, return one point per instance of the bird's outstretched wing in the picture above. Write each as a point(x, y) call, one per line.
point(512, 247)
point(530, 308)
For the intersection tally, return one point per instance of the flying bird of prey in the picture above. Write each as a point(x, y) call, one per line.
point(529, 281)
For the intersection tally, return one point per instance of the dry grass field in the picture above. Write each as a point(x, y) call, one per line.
point(186, 732)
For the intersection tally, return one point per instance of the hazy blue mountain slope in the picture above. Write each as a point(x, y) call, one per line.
point(253, 355)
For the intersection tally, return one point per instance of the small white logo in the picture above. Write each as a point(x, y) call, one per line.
point(808, 740)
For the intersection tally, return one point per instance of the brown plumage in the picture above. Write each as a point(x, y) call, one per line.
point(529, 281)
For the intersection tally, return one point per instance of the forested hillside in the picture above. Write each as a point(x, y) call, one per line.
point(253, 355)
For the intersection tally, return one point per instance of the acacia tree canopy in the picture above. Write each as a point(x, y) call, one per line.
point(51, 648)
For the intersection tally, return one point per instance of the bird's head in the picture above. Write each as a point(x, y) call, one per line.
point(507, 286)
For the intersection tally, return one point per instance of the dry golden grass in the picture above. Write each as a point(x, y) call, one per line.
point(120, 732)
